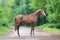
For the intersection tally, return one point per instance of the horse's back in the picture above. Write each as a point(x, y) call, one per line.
point(19, 17)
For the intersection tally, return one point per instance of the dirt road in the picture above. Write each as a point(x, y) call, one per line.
point(25, 35)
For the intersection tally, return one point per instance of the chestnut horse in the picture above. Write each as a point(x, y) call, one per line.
point(31, 19)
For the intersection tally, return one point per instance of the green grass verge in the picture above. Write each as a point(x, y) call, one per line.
point(3, 30)
point(47, 27)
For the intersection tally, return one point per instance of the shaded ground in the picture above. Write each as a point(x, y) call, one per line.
point(25, 35)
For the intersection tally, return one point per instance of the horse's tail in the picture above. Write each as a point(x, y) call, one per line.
point(15, 24)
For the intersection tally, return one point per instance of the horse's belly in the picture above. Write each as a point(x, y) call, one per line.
point(27, 21)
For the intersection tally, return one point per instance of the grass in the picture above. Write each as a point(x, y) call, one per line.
point(3, 30)
point(48, 27)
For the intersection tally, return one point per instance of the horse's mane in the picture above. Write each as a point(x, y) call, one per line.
point(35, 12)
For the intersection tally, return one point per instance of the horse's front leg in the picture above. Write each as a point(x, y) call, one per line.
point(32, 29)
point(18, 31)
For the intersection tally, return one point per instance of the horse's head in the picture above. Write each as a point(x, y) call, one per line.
point(41, 11)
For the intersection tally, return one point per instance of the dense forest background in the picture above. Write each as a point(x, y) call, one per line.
point(10, 8)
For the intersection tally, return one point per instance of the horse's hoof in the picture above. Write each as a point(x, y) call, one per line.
point(33, 34)
point(18, 35)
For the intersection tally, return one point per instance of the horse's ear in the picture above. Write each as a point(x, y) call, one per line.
point(43, 7)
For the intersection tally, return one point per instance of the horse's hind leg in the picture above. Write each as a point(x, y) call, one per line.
point(18, 31)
